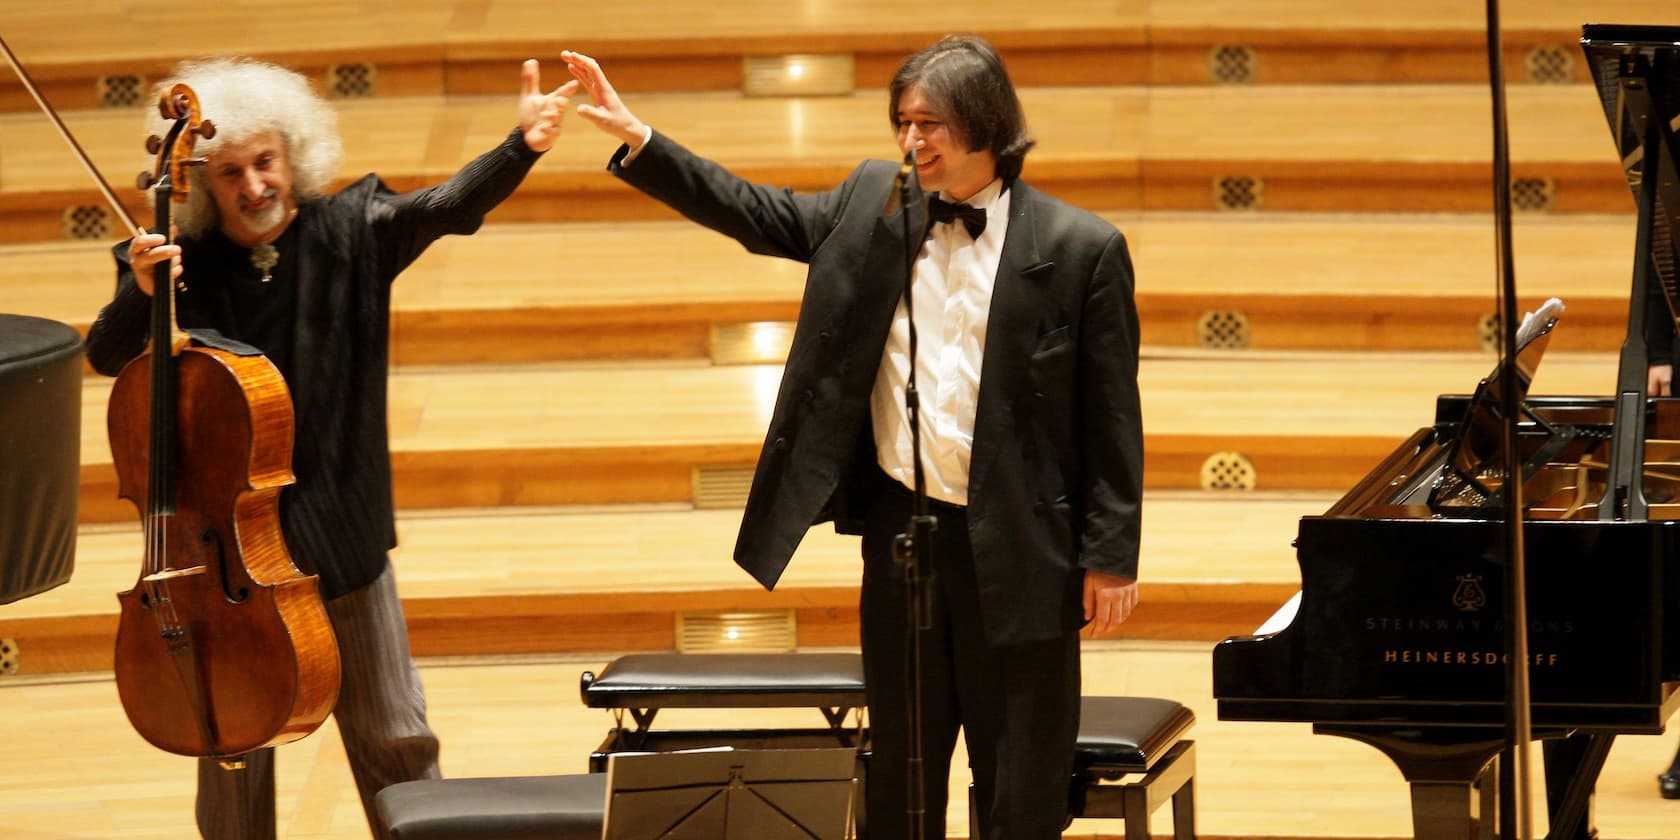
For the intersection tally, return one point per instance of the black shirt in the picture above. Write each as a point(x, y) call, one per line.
point(324, 320)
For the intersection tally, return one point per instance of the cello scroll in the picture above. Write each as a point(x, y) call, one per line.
point(179, 105)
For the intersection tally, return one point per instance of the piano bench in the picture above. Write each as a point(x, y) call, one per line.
point(642, 684)
point(647, 682)
point(1122, 737)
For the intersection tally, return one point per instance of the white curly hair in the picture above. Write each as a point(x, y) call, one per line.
point(244, 97)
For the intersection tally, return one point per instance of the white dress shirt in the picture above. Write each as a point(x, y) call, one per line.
point(954, 275)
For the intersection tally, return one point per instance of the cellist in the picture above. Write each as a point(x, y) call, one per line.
point(266, 257)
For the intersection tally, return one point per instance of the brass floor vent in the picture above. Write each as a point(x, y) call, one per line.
point(798, 75)
point(753, 343)
point(352, 81)
point(1238, 192)
point(1233, 64)
point(85, 221)
point(1549, 64)
point(1533, 195)
point(1487, 332)
point(773, 631)
point(1223, 329)
point(721, 488)
point(1229, 471)
point(120, 91)
point(8, 657)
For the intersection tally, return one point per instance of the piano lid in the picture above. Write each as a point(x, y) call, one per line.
point(1648, 59)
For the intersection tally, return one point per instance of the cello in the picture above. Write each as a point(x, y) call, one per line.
point(223, 646)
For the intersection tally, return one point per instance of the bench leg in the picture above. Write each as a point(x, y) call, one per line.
point(1137, 812)
point(1184, 811)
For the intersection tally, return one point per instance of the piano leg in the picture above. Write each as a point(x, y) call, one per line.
point(1454, 810)
point(1572, 768)
point(1454, 779)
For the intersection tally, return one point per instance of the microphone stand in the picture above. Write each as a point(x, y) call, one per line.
point(1514, 807)
point(915, 545)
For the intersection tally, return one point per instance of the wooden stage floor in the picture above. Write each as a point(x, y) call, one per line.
point(74, 769)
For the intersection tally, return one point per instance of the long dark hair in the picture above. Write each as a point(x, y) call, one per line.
point(965, 82)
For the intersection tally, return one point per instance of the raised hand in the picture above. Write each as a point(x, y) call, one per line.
point(608, 112)
point(540, 113)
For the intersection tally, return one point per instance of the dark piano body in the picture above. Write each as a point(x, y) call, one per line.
point(1396, 638)
point(1400, 612)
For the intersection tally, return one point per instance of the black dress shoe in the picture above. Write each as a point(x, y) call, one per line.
point(1668, 784)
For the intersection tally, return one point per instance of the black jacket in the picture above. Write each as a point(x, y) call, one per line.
point(1056, 473)
point(338, 519)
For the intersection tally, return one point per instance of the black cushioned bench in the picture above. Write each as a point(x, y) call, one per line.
point(40, 450)
point(1123, 737)
point(1119, 737)
point(642, 684)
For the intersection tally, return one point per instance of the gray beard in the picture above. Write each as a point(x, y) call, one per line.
point(266, 219)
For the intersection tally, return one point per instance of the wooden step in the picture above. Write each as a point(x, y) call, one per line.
point(469, 46)
point(1352, 148)
point(581, 291)
point(594, 434)
point(515, 581)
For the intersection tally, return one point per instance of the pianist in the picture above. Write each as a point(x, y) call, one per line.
point(1027, 364)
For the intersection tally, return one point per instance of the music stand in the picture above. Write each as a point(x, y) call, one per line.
point(730, 794)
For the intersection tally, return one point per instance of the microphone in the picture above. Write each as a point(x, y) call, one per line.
point(906, 189)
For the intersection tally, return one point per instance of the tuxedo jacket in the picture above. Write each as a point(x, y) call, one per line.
point(1056, 471)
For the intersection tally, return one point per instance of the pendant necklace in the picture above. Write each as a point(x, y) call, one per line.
point(265, 257)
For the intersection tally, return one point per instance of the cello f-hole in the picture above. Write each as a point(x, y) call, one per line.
point(234, 597)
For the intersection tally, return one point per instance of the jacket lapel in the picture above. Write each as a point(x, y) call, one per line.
point(1010, 332)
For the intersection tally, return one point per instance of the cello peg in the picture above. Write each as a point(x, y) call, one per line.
point(145, 180)
point(154, 144)
point(205, 129)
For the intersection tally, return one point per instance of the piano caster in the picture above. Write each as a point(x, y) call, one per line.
point(1668, 784)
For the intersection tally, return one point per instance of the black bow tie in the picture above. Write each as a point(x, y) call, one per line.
point(973, 218)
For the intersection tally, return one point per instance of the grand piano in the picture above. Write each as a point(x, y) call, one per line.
point(1397, 635)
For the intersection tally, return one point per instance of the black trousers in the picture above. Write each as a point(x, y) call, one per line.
point(1017, 705)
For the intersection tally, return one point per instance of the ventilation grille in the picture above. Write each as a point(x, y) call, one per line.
point(1228, 471)
point(1233, 64)
point(352, 81)
point(775, 631)
point(86, 221)
point(1487, 332)
point(119, 91)
point(798, 75)
point(1238, 192)
point(1549, 64)
point(721, 487)
point(1533, 195)
point(1222, 330)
